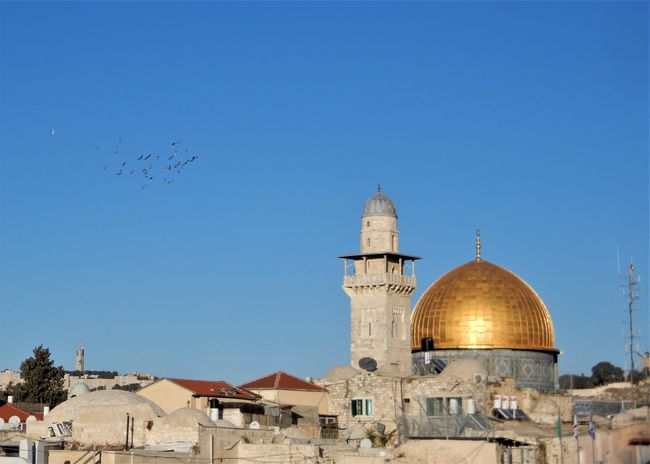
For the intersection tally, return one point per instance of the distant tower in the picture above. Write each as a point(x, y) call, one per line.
point(379, 291)
point(631, 292)
point(79, 359)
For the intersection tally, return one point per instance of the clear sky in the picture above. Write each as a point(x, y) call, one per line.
point(526, 120)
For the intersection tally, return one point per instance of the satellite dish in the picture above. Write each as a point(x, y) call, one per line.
point(368, 364)
point(365, 443)
point(31, 419)
point(2, 421)
point(14, 422)
point(254, 425)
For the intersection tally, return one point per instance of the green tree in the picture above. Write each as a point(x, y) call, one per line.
point(605, 372)
point(130, 387)
point(42, 380)
point(571, 381)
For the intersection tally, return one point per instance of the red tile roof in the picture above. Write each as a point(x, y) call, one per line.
point(215, 389)
point(7, 410)
point(281, 381)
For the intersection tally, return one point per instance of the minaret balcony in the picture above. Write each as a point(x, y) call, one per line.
point(374, 280)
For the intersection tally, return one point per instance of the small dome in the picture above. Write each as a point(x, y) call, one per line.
point(110, 400)
point(343, 371)
point(79, 389)
point(379, 205)
point(187, 416)
point(226, 424)
point(464, 368)
point(482, 305)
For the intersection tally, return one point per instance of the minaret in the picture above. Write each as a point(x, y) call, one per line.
point(79, 359)
point(379, 291)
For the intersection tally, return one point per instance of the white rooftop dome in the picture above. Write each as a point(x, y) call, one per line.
point(343, 371)
point(109, 400)
point(79, 389)
point(464, 368)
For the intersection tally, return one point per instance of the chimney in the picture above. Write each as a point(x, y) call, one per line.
point(46, 410)
point(10, 399)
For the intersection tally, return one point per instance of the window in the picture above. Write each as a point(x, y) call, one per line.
point(436, 406)
point(367, 223)
point(370, 329)
point(361, 407)
point(456, 406)
point(444, 406)
point(357, 408)
point(368, 407)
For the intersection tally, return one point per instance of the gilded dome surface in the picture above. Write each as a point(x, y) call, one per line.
point(482, 305)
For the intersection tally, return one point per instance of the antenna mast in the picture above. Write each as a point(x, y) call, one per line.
point(632, 295)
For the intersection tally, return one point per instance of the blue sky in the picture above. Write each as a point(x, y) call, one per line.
point(526, 120)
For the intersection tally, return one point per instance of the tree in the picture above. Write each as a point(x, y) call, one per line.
point(605, 372)
point(571, 381)
point(130, 387)
point(42, 381)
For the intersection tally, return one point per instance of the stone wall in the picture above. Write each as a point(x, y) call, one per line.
point(447, 451)
point(274, 453)
point(95, 383)
point(8, 376)
point(394, 398)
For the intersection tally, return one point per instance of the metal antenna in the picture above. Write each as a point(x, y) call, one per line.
point(631, 292)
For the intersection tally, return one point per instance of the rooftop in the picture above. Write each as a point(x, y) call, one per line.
point(281, 381)
point(214, 388)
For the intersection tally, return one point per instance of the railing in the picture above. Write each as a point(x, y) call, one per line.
point(378, 279)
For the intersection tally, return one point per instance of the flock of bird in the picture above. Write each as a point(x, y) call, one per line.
point(148, 167)
point(151, 167)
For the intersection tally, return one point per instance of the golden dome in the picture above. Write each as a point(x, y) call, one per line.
point(482, 305)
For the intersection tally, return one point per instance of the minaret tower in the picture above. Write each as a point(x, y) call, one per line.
point(379, 291)
point(79, 360)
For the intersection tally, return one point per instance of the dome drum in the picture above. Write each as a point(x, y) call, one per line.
point(530, 369)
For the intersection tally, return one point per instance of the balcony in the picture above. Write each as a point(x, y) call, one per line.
point(373, 280)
